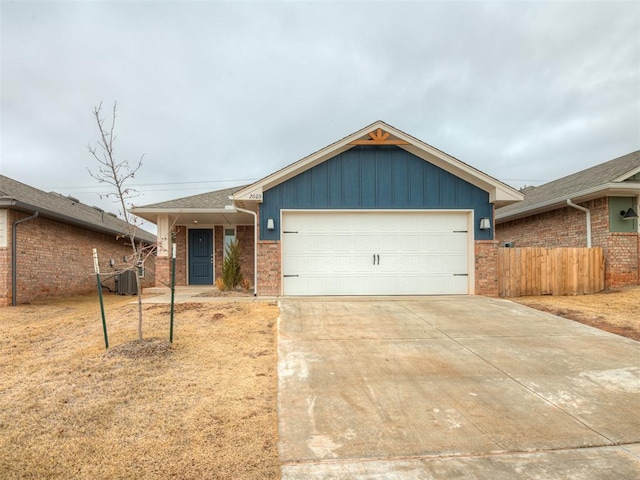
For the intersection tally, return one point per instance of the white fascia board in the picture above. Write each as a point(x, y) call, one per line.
point(157, 211)
point(606, 190)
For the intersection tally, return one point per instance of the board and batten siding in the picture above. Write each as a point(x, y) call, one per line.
point(374, 177)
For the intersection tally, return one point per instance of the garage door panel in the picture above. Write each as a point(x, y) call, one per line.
point(375, 253)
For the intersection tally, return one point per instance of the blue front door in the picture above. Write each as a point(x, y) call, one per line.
point(200, 257)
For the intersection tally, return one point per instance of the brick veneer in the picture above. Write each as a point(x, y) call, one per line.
point(621, 255)
point(486, 268)
point(218, 242)
point(246, 240)
point(268, 267)
point(56, 259)
point(566, 227)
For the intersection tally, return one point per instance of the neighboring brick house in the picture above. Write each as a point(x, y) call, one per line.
point(378, 212)
point(607, 191)
point(55, 236)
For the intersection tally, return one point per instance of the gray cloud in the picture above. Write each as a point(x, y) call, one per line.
point(227, 91)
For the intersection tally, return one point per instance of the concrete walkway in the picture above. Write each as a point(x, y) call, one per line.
point(452, 387)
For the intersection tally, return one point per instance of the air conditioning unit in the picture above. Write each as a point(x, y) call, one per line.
point(126, 283)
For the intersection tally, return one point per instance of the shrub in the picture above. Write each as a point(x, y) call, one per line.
point(231, 274)
point(220, 284)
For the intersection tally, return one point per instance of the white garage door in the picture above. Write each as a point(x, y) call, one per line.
point(375, 253)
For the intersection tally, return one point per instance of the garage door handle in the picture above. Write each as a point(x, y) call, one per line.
point(378, 259)
point(374, 258)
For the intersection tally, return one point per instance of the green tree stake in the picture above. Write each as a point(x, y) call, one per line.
point(173, 289)
point(96, 267)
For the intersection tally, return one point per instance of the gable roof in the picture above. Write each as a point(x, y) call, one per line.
point(212, 207)
point(606, 179)
point(19, 196)
point(216, 199)
point(381, 133)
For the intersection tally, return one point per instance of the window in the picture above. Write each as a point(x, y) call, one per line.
point(229, 237)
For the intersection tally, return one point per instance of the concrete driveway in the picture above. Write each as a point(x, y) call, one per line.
point(452, 387)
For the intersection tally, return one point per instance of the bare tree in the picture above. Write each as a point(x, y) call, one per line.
point(117, 174)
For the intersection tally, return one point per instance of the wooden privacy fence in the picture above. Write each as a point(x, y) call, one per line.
point(550, 271)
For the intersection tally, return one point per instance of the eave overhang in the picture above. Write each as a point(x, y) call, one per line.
point(43, 212)
point(627, 189)
point(193, 216)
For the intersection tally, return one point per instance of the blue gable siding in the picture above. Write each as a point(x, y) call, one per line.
point(374, 177)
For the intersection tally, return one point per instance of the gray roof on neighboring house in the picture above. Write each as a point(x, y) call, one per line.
point(217, 199)
point(585, 183)
point(19, 196)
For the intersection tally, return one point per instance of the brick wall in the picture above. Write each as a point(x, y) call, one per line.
point(621, 265)
point(5, 275)
point(246, 240)
point(55, 259)
point(486, 268)
point(218, 249)
point(163, 272)
point(566, 227)
point(268, 267)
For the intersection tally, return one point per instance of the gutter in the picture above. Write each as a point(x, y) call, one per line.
point(586, 210)
point(14, 251)
point(255, 246)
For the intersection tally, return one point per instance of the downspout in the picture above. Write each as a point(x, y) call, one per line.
point(255, 248)
point(14, 260)
point(586, 210)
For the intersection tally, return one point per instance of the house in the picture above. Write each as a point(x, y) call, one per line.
point(594, 207)
point(378, 212)
point(47, 241)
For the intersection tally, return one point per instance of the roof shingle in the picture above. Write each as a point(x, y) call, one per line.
point(67, 209)
point(216, 199)
point(565, 187)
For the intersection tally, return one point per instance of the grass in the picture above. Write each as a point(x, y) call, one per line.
point(615, 311)
point(203, 408)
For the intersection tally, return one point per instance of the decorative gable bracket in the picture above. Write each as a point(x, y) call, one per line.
point(378, 137)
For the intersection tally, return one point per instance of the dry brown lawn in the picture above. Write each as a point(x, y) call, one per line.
point(616, 311)
point(204, 408)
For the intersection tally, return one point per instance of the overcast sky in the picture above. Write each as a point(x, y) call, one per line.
point(216, 94)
